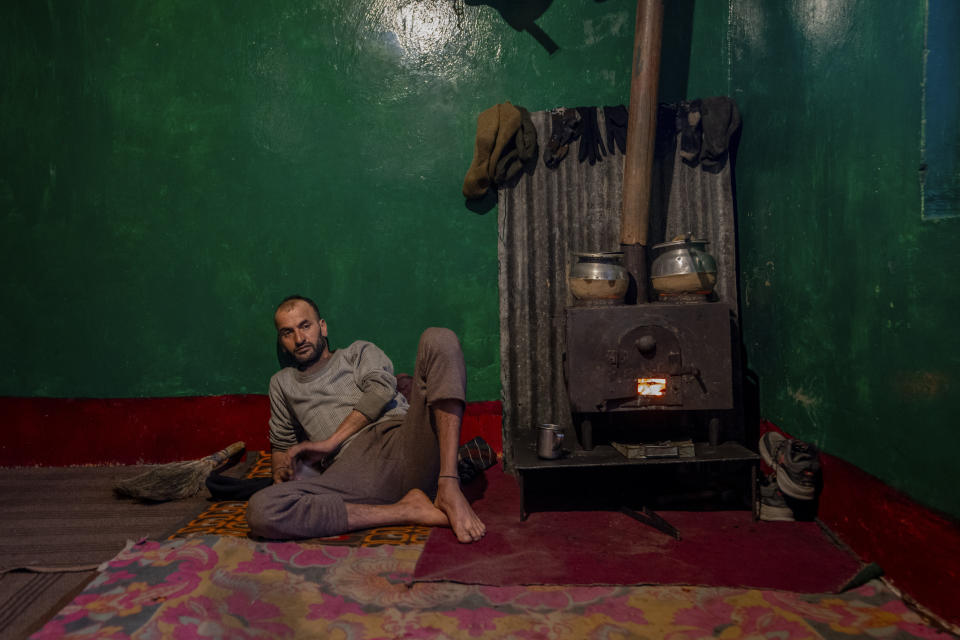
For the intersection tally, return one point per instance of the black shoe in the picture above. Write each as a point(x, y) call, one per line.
point(474, 457)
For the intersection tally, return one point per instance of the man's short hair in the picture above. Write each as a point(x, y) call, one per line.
point(292, 298)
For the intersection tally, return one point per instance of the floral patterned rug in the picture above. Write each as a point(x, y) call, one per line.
point(231, 587)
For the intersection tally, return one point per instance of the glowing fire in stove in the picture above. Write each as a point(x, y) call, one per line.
point(655, 387)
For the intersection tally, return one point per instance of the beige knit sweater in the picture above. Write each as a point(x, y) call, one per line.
point(311, 407)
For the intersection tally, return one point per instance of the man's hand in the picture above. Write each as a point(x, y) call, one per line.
point(281, 467)
point(313, 452)
point(319, 451)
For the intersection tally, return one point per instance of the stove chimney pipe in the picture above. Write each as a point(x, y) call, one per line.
point(641, 134)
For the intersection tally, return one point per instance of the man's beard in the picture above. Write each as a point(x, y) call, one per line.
point(306, 360)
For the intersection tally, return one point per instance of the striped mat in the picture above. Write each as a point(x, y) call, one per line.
point(58, 525)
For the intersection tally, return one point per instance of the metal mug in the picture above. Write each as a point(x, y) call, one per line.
point(549, 439)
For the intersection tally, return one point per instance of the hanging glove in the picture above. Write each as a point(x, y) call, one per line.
point(591, 142)
point(721, 119)
point(665, 143)
point(564, 129)
point(688, 124)
point(615, 121)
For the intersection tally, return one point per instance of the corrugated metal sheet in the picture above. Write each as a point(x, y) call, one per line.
point(552, 213)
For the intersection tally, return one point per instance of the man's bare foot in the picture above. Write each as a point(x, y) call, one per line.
point(465, 523)
point(417, 506)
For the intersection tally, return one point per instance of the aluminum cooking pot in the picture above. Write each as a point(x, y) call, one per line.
point(598, 277)
point(683, 266)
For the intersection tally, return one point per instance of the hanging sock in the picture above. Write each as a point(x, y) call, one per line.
point(519, 155)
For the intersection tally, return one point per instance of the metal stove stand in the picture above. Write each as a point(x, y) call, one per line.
point(527, 463)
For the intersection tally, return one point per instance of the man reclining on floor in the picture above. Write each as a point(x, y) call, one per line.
point(382, 458)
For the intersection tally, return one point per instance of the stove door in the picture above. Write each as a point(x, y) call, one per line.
point(649, 360)
point(615, 354)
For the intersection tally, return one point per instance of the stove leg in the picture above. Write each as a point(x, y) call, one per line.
point(523, 497)
point(714, 427)
point(649, 517)
point(586, 434)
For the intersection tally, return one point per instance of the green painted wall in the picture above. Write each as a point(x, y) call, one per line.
point(850, 299)
point(170, 170)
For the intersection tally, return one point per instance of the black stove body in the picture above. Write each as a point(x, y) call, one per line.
point(653, 369)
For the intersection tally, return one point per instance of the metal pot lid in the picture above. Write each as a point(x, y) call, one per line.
point(601, 254)
point(681, 243)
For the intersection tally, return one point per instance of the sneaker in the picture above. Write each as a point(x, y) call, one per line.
point(795, 463)
point(773, 504)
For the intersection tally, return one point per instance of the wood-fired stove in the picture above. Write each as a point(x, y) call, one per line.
point(651, 361)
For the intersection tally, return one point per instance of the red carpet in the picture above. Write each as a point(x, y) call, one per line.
point(718, 548)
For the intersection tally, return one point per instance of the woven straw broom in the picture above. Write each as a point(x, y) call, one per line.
point(175, 480)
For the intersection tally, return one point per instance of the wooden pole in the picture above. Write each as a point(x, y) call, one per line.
point(641, 134)
point(641, 123)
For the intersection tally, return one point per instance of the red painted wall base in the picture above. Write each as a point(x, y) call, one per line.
point(918, 548)
point(62, 432)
